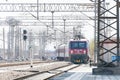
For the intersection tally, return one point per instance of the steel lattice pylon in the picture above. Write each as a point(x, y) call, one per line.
point(108, 41)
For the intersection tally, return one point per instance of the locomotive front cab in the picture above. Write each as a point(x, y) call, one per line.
point(78, 51)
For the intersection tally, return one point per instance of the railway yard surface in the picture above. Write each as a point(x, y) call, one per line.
point(49, 70)
point(17, 71)
point(84, 72)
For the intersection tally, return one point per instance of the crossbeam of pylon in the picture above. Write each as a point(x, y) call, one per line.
point(55, 17)
point(46, 7)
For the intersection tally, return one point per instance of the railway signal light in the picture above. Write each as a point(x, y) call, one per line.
point(24, 34)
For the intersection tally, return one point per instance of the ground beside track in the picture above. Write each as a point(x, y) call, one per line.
point(84, 72)
point(13, 72)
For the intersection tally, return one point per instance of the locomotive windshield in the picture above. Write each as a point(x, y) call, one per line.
point(78, 45)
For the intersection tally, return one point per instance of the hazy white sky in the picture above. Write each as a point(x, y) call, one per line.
point(88, 30)
point(45, 1)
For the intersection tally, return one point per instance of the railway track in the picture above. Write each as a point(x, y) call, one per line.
point(46, 75)
point(62, 72)
point(5, 64)
point(14, 72)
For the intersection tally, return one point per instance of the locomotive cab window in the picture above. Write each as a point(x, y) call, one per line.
point(77, 45)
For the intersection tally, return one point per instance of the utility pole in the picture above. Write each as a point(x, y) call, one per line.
point(55, 44)
point(4, 43)
point(30, 49)
point(52, 19)
point(44, 44)
point(8, 52)
point(47, 30)
point(95, 30)
point(40, 46)
point(17, 43)
point(12, 42)
point(73, 32)
point(37, 9)
point(95, 35)
point(20, 45)
point(64, 37)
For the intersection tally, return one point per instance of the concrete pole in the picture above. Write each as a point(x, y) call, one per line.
point(17, 43)
point(55, 44)
point(52, 19)
point(40, 46)
point(20, 44)
point(95, 31)
point(4, 43)
point(43, 46)
point(12, 42)
point(9, 41)
point(64, 37)
point(47, 30)
point(37, 9)
point(95, 35)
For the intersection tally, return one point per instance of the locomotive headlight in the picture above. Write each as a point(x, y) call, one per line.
point(84, 51)
point(71, 51)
